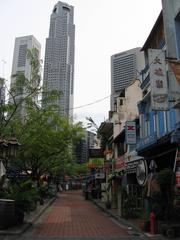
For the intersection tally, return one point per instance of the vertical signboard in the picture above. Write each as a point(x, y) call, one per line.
point(130, 132)
point(158, 80)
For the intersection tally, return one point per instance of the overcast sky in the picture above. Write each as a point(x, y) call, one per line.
point(103, 28)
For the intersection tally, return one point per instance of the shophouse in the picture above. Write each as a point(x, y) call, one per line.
point(125, 134)
point(159, 108)
point(105, 134)
point(116, 149)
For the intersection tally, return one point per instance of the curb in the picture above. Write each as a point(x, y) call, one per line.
point(17, 230)
point(119, 219)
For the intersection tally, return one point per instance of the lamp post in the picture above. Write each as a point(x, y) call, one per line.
point(3, 147)
point(3, 150)
point(8, 149)
point(13, 145)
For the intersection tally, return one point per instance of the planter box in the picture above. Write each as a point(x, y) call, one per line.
point(7, 213)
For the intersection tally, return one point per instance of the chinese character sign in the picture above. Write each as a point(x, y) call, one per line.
point(130, 132)
point(158, 79)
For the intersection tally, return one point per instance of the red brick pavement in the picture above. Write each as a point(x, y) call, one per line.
point(72, 216)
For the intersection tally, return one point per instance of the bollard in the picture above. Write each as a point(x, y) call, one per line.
point(152, 223)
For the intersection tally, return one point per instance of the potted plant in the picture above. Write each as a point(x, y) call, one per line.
point(144, 222)
point(25, 196)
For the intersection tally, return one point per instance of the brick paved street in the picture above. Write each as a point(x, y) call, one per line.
point(73, 218)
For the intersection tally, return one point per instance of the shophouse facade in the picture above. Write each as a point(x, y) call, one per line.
point(156, 123)
point(116, 149)
point(125, 134)
point(159, 111)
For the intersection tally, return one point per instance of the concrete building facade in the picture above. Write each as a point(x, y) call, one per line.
point(59, 57)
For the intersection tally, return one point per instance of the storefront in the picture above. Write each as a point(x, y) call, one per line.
point(117, 181)
point(136, 177)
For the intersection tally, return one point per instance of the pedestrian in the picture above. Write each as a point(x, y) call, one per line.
point(60, 188)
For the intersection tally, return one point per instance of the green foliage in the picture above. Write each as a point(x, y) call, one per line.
point(75, 169)
point(22, 92)
point(162, 201)
point(25, 194)
point(129, 204)
point(144, 215)
point(46, 137)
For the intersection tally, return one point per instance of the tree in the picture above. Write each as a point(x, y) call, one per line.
point(20, 93)
point(46, 137)
point(76, 169)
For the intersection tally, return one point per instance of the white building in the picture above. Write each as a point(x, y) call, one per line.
point(127, 109)
point(59, 57)
point(20, 62)
point(125, 67)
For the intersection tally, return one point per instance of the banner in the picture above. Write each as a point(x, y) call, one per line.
point(158, 80)
point(96, 163)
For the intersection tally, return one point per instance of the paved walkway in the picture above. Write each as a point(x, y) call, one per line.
point(72, 216)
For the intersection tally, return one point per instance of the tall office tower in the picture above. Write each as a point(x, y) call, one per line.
point(125, 67)
point(82, 148)
point(2, 90)
point(22, 65)
point(59, 58)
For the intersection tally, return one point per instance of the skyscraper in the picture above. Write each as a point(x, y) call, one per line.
point(59, 57)
point(125, 67)
point(2, 90)
point(21, 64)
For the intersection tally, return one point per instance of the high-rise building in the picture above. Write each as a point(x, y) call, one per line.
point(20, 63)
point(59, 58)
point(125, 67)
point(82, 148)
point(2, 90)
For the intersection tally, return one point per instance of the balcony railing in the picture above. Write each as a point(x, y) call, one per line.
point(147, 141)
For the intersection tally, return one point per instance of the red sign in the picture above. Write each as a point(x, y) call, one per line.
point(130, 127)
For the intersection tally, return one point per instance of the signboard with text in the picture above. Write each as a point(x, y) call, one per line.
point(95, 153)
point(158, 79)
point(130, 132)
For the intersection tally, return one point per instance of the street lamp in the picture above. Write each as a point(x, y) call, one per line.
point(3, 150)
point(8, 149)
point(13, 145)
